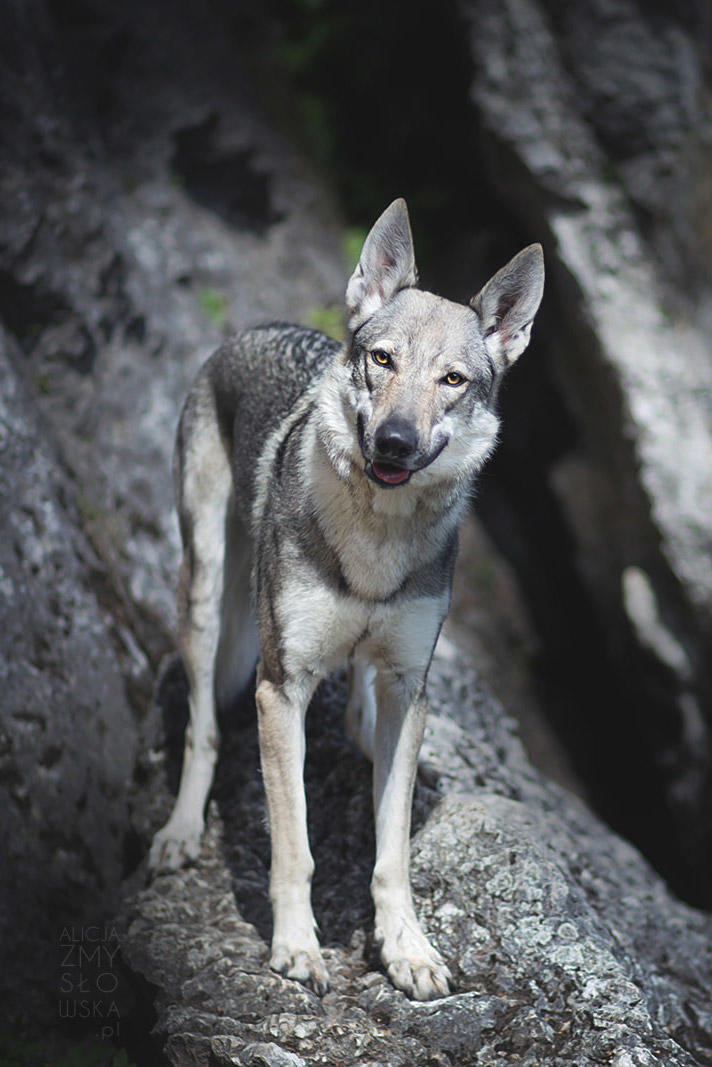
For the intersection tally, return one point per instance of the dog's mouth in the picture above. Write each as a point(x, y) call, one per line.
point(387, 473)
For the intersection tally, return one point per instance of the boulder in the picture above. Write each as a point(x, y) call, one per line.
point(147, 210)
point(69, 738)
point(565, 947)
point(597, 126)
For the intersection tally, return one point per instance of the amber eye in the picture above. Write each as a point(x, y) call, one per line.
point(380, 357)
point(453, 378)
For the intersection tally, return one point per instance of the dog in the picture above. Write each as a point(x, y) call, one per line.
point(319, 490)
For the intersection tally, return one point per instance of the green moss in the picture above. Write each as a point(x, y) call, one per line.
point(96, 1054)
point(483, 575)
point(43, 383)
point(353, 243)
point(21, 1051)
point(213, 305)
point(328, 319)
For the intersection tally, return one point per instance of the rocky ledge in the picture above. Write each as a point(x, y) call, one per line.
point(565, 946)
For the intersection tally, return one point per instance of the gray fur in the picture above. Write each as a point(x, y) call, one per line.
point(386, 265)
point(335, 477)
point(507, 304)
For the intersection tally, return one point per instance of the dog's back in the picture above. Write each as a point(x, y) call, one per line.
point(246, 388)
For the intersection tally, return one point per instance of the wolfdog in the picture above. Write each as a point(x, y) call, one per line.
point(319, 489)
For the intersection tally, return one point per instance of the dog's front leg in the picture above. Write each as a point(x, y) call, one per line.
point(281, 712)
point(412, 963)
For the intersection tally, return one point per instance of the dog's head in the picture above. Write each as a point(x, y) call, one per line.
point(424, 371)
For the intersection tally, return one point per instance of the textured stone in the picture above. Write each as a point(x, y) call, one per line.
point(68, 738)
point(597, 118)
point(129, 248)
point(146, 208)
point(565, 947)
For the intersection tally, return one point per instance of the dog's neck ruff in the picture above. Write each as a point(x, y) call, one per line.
point(380, 534)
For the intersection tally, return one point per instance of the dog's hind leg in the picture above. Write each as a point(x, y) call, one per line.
point(204, 488)
point(361, 705)
point(239, 645)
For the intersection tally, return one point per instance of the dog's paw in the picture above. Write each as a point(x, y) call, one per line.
point(411, 962)
point(177, 844)
point(304, 963)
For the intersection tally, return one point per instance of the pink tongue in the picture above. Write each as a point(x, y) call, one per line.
point(392, 475)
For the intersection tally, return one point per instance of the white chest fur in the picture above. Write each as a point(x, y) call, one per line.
point(380, 535)
point(321, 628)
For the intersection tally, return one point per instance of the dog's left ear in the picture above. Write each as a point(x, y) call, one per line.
point(508, 303)
point(386, 265)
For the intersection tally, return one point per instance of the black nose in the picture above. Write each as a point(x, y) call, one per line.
point(396, 438)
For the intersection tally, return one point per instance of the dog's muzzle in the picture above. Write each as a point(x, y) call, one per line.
point(396, 443)
point(396, 453)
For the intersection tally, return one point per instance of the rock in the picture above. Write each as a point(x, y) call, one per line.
point(263, 1054)
point(566, 948)
point(68, 738)
point(597, 121)
point(578, 959)
point(146, 210)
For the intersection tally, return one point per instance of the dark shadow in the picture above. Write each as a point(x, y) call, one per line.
point(172, 699)
point(223, 179)
point(339, 806)
point(338, 788)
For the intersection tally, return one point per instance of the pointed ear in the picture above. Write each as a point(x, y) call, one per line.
point(508, 303)
point(386, 265)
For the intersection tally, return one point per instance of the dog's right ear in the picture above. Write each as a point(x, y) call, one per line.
point(386, 265)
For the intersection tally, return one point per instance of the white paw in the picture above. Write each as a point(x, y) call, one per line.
point(303, 962)
point(175, 845)
point(412, 963)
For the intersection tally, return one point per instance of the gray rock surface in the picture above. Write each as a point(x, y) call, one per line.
point(68, 738)
point(565, 947)
point(138, 224)
point(599, 133)
point(131, 240)
point(146, 208)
